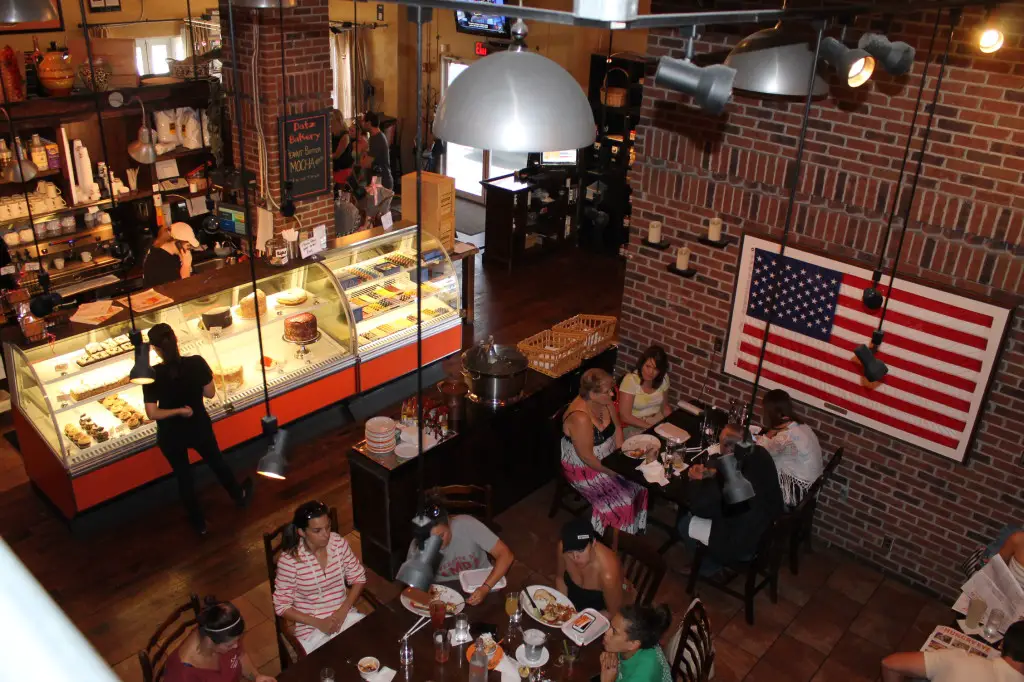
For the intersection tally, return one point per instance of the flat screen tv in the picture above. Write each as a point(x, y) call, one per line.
point(563, 158)
point(487, 25)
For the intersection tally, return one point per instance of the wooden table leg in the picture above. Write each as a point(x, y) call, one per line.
point(468, 281)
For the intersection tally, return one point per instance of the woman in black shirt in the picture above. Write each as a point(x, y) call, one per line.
point(341, 148)
point(175, 401)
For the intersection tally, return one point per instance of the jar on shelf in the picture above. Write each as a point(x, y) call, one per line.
point(55, 72)
point(275, 251)
point(68, 224)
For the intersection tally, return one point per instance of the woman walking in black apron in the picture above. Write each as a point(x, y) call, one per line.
point(175, 401)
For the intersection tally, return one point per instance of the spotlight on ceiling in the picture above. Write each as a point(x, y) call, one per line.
point(896, 58)
point(274, 464)
point(990, 39)
point(141, 373)
point(710, 86)
point(874, 369)
point(853, 64)
point(773, 62)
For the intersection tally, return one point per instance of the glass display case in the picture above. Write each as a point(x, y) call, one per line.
point(378, 277)
point(75, 391)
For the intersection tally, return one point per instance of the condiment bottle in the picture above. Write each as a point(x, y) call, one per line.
point(478, 663)
point(37, 152)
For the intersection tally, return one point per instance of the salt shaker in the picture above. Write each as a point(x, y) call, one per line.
point(405, 652)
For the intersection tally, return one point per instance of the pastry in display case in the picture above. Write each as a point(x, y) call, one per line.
point(379, 278)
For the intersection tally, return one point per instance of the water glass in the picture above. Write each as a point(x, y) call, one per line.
point(462, 629)
point(975, 612)
point(533, 642)
point(993, 623)
point(327, 675)
point(405, 652)
point(442, 647)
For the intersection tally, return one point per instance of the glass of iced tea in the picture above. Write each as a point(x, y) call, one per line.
point(442, 646)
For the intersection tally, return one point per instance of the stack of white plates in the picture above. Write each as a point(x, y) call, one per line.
point(380, 435)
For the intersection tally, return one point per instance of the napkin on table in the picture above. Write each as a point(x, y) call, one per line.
point(509, 671)
point(654, 472)
point(385, 674)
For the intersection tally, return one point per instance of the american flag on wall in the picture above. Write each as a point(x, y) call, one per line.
point(940, 348)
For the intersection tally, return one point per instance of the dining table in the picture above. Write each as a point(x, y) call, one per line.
point(379, 635)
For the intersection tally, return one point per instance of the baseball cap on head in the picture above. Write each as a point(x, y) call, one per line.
point(577, 535)
point(183, 232)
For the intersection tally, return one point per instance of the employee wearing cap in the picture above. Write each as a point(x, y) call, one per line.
point(170, 256)
point(589, 573)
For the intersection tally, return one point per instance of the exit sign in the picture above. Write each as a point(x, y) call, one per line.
point(480, 49)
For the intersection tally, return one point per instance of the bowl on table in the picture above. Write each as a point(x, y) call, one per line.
point(368, 667)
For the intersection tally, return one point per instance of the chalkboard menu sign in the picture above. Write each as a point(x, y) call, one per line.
point(307, 140)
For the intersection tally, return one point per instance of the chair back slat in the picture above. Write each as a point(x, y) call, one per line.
point(642, 566)
point(695, 654)
point(475, 500)
point(153, 658)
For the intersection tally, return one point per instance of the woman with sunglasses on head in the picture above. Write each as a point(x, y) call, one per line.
point(643, 394)
point(591, 432)
point(175, 401)
point(213, 651)
point(319, 578)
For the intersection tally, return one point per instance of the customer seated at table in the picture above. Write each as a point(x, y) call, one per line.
point(792, 445)
point(213, 650)
point(732, 532)
point(588, 573)
point(591, 432)
point(956, 665)
point(643, 393)
point(1012, 553)
point(319, 578)
point(465, 545)
point(631, 650)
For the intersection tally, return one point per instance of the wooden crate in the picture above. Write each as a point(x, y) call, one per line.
point(438, 205)
point(553, 352)
point(598, 331)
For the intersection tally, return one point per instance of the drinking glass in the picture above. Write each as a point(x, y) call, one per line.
point(993, 623)
point(975, 612)
point(437, 614)
point(442, 647)
point(512, 603)
point(405, 652)
point(327, 675)
point(462, 629)
point(533, 642)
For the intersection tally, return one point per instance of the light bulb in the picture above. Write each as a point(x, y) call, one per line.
point(991, 39)
point(860, 71)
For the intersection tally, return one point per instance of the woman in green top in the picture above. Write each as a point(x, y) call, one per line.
point(631, 650)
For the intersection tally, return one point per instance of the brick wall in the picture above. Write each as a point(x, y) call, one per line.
point(966, 231)
point(307, 65)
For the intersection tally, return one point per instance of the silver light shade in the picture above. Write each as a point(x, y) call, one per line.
point(770, 62)
point(18, 170)
point(142, 372)
point(21, 11)
point(853, 65)
point(710, 86)
point(274, 464)
point(418, 569)
point(896, 58)
point(142, 149)
point(515, 102)
point(735, 486)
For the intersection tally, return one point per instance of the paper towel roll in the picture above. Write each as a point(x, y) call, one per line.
point(83, 169)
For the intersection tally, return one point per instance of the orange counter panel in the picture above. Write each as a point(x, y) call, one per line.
point(401, 361)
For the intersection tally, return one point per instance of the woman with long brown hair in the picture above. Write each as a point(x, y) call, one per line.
point(175, 401)
point(792, 444)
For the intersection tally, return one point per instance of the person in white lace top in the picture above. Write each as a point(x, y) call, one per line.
point(792, 445)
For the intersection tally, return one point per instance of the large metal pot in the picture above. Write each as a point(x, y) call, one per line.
point(496, 374)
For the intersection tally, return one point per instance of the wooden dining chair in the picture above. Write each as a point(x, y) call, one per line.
point(803, 523)
point(475, 500)
point(693, 658)
point(153, 658)
point(642, 566)
point(288, 647)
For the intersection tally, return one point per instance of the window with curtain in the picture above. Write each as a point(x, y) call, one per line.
point(151, 54)
point(341, 66)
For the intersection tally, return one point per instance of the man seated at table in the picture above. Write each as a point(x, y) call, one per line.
point(731, 532)
point(956, 665)
point(465, 545)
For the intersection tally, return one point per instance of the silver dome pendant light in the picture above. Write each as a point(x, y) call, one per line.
point(516, 101)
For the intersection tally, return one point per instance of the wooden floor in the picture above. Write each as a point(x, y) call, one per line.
point(833, 622)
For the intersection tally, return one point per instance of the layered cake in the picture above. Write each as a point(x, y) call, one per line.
point(300, 328)
point(219, 316)
point(230, 374)
point(290, 297)
point(248, 306)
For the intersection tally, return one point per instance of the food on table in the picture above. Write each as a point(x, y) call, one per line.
point(109, 345)
point(77, 436)
point(231, 374)
point(291, 297)
point(436, 594)
point(83, 361)
point(122, 339)
point(218, 316)
point(133, 423)
point(93, 348)
point(250, 305)
point(551, 611)
point(300, 327)
point(368, 665)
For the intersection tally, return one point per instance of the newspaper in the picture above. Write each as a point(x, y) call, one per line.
point(999, 588)
point(945, 637)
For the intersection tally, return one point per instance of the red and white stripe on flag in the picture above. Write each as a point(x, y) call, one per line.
point(940, 348)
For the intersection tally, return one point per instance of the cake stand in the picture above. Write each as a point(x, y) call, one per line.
point(302, 350)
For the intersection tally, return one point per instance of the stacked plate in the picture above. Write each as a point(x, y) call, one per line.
point(380, 435)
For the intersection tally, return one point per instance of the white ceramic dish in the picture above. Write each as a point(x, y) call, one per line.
point(365, 661)
point(671, 432)
point(527, 607)
point(406, 450)
point(545, 656)
point(446, 594)
point(642, 441)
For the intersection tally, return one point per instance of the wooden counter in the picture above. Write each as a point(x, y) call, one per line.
point(515, 449)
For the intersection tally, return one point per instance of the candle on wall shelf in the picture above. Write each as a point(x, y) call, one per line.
point(654, 232)
point(715, 230)
point(683, 258)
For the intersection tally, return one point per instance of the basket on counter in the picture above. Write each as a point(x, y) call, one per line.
point(597, 331)
point(553, 352)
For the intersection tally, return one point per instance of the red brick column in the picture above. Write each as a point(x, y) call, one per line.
point(307, 67)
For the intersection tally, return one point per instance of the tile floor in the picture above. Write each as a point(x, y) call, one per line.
point(833, 622)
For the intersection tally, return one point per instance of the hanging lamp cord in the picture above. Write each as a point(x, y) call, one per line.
point(877, 276)
point(954, 20)
point(419, 247)
point(795, 185)
point(281, 146)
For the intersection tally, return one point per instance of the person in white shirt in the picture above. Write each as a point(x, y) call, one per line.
point(792, 445)
point(956, 665)
point(1012, 553)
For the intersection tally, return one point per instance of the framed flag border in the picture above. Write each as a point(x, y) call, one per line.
point(741, 313)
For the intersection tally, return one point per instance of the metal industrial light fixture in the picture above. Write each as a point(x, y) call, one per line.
point(735, 486)
point(16, 170)
point(142, 372)
point(418, 569)
point(874, 368)
point(853, 64)
point(772, 62)
point(22, 11)
point(896, 58)
point(516, 101)
point(274, 464)
point(141, 150)
point(710, 86)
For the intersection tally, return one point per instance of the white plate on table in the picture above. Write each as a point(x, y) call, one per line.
point(640, 442)
point(555, 595)
point(671, 432)
point(446, 594)
point(472, 580)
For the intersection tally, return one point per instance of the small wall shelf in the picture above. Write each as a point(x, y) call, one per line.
point(689, 272)
point(720, 244)
point(660, 246)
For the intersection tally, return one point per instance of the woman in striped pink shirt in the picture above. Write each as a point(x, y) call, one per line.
point(318, 578)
